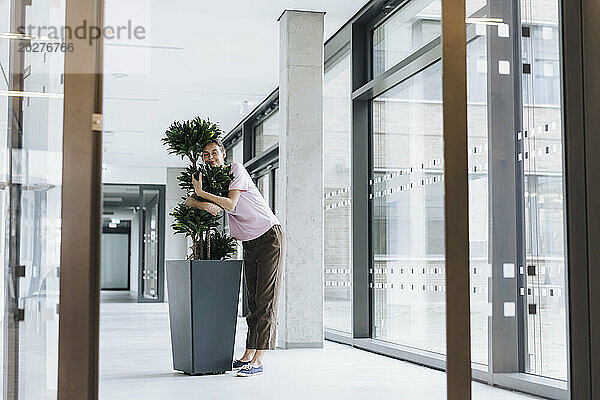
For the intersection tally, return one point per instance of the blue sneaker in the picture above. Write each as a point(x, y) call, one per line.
point(249, 370)
point(237, 364)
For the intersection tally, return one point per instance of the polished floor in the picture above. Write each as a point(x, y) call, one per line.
point(135, 363)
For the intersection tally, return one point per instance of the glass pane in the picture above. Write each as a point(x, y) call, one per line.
point(264, 186)
point(337, 140)
point(266, 134)
point(236, 153)
point(410, 28)
point(478, 196)
point(543, 191)
point(150, 200)
point(276, 190)
point(408, 213)
point(33, 126)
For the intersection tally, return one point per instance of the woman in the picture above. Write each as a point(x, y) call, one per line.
point(251, 221)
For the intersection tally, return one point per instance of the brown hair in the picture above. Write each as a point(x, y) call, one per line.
point(218, 143)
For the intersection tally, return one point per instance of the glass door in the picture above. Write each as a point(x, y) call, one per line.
point(151, 238)
point(31, 128)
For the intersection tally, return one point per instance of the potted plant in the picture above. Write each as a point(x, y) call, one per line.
point(203, 289)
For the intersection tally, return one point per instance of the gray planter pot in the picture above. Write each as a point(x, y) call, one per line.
point(203, 303)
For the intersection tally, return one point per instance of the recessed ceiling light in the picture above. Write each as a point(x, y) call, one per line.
point(18, 93)
point(119, 76)
point(125, 132)
point(21, 36)
point(484, 20)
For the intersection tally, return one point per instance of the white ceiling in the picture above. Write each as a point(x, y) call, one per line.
point(201, 58)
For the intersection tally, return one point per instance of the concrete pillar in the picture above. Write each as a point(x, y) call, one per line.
point(301, 177)
point(176, 246)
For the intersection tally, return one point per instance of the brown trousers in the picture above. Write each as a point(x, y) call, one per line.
point(263, 264)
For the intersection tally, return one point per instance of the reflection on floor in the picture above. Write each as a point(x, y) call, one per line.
point(135, 363)
point(117, 296)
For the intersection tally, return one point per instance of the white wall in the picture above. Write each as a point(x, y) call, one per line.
point(134, 175)
point(175, 245)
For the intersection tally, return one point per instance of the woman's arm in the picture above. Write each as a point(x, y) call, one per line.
point(203, 205)
point(228, 203)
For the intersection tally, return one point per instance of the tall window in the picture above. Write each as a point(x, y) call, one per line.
point(408, 213)
point(266, 134)
point(337, 192)
point(407, 274)
point(479, 268)
point(543, 191)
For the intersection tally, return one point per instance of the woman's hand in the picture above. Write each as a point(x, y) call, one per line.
point(212, 208)
point(197, 184)
point(203, 205)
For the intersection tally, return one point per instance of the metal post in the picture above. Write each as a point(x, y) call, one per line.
point(361, 256)
point(456, 200)
point(580, 379)
point(506, 246)
point(581, 85)
point(81, 210)
point(591, 98)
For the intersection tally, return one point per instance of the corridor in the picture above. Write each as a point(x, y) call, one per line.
point(135, 363)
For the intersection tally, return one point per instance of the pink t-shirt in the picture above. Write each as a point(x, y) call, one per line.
point(251, 216)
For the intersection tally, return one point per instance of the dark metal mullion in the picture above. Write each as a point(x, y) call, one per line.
point(504, 121)
point(371, 237)
point(581, 85)
point(521, 258)
point(162, 203)
point(591, 43)
point(272, 183)
point(248, 141)
point(361, 255)
point(141, 243)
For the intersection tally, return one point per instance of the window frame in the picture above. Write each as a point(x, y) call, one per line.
point(356, 35)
